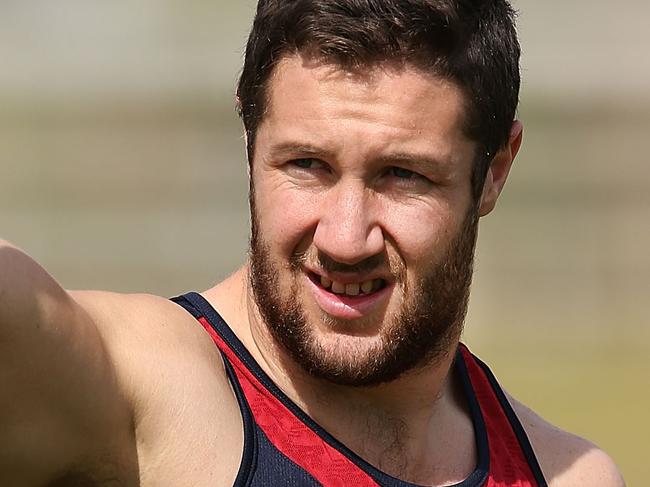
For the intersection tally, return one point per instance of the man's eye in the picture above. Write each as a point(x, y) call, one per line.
point(307, 163)
point(401, 173)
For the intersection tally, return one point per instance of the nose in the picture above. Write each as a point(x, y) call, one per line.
point(349, 229)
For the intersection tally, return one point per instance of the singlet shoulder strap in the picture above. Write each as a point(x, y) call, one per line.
point(501, 421)
point(192, 303)
point(215, 325)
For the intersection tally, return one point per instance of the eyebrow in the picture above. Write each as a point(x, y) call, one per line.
point(421, 161)
point(290, 148)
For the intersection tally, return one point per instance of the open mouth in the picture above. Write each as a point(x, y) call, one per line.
point(363, 288)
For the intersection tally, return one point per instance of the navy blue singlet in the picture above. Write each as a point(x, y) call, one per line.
point(283, 446)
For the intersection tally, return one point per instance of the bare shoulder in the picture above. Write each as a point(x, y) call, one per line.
point(567, 460)
point(148, 338)
point(174, 379)
point(127, 320)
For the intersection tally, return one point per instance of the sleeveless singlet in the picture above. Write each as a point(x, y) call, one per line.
point(283, 446)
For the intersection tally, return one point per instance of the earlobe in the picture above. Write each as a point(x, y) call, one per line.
point(499, 169)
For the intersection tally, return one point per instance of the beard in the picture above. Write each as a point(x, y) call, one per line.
point(421, 333)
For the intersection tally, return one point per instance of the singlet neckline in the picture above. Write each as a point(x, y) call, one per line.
point(475, 479)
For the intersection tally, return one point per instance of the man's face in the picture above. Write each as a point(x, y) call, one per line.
point(363, 225)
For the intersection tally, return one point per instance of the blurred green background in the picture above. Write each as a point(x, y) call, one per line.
point(122, 168)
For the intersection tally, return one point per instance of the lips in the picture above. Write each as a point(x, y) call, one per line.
point(351, 299)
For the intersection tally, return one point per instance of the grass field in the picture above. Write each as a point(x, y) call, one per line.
point(153, 199)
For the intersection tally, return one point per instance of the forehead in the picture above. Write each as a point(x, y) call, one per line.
point(386, 104)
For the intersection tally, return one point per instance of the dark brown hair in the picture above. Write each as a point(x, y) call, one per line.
point(472, 43)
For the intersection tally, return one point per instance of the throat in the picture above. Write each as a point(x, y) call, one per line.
point(425, 442)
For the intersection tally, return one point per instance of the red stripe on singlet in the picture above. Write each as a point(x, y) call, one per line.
point(508, 465)
point(290, 435)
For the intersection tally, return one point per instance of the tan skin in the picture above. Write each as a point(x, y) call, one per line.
point(128, 390)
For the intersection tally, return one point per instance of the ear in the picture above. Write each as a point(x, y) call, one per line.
point(499, 168)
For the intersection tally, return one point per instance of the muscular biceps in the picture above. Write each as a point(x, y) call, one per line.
point(60, 408)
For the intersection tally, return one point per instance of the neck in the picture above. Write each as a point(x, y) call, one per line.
point(401, 427)
point(385, 424)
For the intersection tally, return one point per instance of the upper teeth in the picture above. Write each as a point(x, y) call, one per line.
point(352, 289)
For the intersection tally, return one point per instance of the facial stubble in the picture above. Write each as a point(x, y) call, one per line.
point(421, 333)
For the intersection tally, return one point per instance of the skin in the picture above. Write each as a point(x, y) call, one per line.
point(128, 390)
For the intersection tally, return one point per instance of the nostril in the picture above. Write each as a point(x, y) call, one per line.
point(347, 239)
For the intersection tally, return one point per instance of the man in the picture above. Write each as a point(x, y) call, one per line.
point(378, 132)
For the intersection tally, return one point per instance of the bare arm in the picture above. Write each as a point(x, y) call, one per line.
point(61, 412)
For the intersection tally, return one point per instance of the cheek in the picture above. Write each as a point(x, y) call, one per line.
point(286, 216)
point(421, 233)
